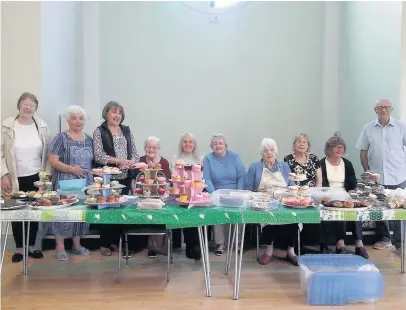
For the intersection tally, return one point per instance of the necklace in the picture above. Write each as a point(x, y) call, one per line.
point(75, 141)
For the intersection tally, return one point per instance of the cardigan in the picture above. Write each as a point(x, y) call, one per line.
point(350, 179)
point(254, 174)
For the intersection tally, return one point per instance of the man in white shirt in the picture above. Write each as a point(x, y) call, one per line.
point(382, 150)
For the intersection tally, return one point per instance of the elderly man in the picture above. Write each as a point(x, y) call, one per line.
point(382, 150)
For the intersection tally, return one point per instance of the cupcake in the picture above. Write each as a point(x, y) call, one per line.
point(115, 170)
point(187, 183)
point(199, 197)
point(183, 198)
point(114, 183)
point(37, 196)
point(179, 164)
point(107, 170)
point(176, 178)
point(174, 191)
point(97, 185)
point(106, 186)
point(161, 180)
point(91, 200)
point(197, 184)
point(293, 189)
point(98, 170)
point(111, 199)
point(101, 200)
point(157, 167)
point(98, 180)
point(197, 168)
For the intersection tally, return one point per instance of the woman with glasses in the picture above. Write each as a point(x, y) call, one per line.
point(152, 147)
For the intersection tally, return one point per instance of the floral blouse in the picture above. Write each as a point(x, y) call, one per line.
point(309, 168)
point(120, 148)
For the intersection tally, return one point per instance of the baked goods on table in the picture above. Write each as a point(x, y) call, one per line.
point(297, 177)
point(298, 202)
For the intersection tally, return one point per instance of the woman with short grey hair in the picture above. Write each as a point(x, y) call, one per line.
point(338, 172)
point(114, 145)
point(222, 169)
point(71, 155)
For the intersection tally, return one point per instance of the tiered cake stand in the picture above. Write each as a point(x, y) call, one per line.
point(189, 181)
point(105, 192)
point(151, 183)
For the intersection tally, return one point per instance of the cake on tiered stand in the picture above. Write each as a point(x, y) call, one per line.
point(151, 182)
point(104, 192)
point(188, 183)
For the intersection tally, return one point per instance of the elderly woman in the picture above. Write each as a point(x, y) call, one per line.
point(70, 155)
point(301, 161)
point(223, 169)
point(188, 152)
point(152, 156)
point(24, 143)
point(265, 174)
point(338, 172)
point(114, 145)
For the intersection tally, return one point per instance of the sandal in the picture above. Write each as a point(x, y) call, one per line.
point(61, 256)
point(81, 251)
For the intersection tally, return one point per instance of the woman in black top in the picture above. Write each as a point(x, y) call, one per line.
point(338, 172)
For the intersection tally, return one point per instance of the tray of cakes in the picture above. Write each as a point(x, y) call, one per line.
point(346, 205)
point(100, 185)
point(297, 177)
point(105, 201)
point(12, 204)
point(297, 202)
point(150, 204)
point(106, 170)
point(53, 203)
point(370, 177)
point(259, 205)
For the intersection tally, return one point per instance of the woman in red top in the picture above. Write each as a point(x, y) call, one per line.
point(152, 157)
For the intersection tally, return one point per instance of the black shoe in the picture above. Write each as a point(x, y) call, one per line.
point(361, 251)
point(341, 250)
point(17, 257)
point(151, 254)
point(36, 254)
point(193, 253)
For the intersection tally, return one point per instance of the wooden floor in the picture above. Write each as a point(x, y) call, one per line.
point(90, 283)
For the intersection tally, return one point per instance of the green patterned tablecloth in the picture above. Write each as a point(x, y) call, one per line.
point(171, 215)
point(372, 214)
point(282, 215)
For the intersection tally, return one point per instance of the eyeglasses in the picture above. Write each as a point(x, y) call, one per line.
point(380, 108)
point(29, 106)
point(153, 148)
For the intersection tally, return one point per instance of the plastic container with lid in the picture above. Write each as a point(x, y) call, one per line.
point(231, 198)
point(332, 193)
point(339, 279)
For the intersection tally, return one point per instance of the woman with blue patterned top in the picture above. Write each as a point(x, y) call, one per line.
point(269, 174)
point(70, 154)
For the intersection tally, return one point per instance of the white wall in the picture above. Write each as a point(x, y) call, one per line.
point(62, 58)
point(257, 73)
point(20, 53)
point(370, 65)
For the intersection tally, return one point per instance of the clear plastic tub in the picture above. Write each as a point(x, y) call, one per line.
point(339, 279)
point(231, 197)
point(317, 193)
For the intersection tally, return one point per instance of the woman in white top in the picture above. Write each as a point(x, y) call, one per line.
point(188, 153)
point(339, 172)
point(23, 155)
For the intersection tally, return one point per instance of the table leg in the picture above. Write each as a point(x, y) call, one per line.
point(236, 262)
point(402, 246)
point(228, 249)
point(238, 271)
point(24, 246)
point(4, 243)
point(228, 257)
point(26, 249)
point(206, 243)
point(203, 249)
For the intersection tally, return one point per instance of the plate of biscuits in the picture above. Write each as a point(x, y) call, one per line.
point(53, 203)
point(349, 205)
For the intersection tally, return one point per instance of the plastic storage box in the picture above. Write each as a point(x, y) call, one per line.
point(231, 197)
point(317, 193)
point(339, 279)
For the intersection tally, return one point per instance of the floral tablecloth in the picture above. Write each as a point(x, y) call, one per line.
point(372, 214)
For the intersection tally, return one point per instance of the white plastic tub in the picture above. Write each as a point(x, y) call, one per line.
point(231, 197)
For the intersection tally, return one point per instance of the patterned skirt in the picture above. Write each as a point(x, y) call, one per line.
point(68, 230)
